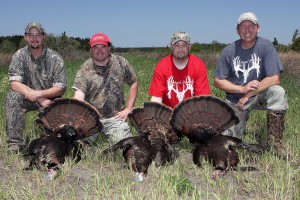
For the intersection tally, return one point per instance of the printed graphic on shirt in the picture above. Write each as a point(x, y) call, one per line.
point(186, 85)
point(246, 66)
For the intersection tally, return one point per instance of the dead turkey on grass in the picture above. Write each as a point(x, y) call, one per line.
point(154, 142)
point(202, 119)
point(65, 123)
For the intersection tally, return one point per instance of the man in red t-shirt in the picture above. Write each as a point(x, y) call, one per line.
point(180, 75)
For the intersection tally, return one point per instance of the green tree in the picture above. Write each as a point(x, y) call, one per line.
point(7, 46)
point(275, 42)
point(295, 46)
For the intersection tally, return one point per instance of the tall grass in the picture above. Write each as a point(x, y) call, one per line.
point(99, 177)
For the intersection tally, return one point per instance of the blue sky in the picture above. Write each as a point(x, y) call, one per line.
point(150, 23)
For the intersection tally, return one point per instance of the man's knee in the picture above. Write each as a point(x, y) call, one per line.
point(276, 98)
point(13, 98)
point(117, 134)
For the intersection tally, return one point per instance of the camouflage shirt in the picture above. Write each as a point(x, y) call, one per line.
point(103, 86)
point(39, 74)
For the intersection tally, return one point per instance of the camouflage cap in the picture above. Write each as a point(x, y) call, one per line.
point(34, 25)
point(180, 36)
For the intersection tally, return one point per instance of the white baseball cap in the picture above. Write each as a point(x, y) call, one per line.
point(247, 16)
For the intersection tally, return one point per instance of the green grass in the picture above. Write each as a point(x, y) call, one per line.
point(98, 177)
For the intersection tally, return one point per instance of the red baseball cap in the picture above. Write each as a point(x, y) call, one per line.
point(99, 38)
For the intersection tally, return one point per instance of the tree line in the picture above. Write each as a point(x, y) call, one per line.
point(72, 47)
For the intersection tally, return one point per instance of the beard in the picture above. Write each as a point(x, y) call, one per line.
point(180, 55)
point(35, 45)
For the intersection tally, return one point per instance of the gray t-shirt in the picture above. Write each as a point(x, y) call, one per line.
point(241, 66)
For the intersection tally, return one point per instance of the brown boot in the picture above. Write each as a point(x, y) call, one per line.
point(275, 123)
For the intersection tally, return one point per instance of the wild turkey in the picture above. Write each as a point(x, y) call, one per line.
point(202, 119)
point(153, 142)
point(154, 118)
point(65, 122)
point(137, 152)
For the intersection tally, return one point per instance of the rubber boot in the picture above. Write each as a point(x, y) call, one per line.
point(275, 125)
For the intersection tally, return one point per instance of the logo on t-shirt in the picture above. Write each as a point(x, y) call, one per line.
point(245, 67)
point(186, 85)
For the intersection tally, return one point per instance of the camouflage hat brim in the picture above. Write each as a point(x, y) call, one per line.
point(34, 25)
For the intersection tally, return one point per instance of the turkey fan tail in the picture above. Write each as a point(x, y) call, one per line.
point(158, 111)
point(64, 111)
point(136, 117)
point(154, 117)
point(160, 122)
point(203, 111)
point(255, 148)
point(149, 115)
point(45, 126)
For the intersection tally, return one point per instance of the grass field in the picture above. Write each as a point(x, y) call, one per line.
point(98, 177)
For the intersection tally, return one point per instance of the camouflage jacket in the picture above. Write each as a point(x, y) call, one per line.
point(103, 86)
point(39, 74)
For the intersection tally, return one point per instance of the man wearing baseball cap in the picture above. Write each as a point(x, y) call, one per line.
point(179, 75)
point(249, 72)
point(100, 81)
point(36, 76)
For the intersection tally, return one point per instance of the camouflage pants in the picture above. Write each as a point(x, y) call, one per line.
point(273, 99)
point(16, 106)
point(114, 129)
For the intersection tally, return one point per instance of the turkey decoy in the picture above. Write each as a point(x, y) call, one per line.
point(202, 119)
point(65, 123)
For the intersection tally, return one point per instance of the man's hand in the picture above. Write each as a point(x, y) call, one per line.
point(251, 86)
point(33, 95)
point(122, 115)
point(242, 102)
point(44, 102)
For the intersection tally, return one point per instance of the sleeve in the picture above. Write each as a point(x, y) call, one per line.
point(60, 78)
point(222, 69)
point(202, 84)
point(158, 83)
point(271, 60)
point(80, 83)
point(130, 76)
point(16, 70)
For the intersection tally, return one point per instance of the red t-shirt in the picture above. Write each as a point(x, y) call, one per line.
point(174, 85)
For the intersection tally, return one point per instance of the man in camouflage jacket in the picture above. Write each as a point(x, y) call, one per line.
point(36, 76)
point(100, 81)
